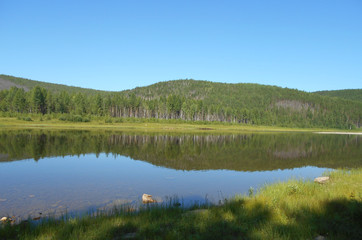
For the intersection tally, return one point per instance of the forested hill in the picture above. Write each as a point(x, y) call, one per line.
point(350, 94)
point(261, 104)
point(232, 96)
point(6, 82)
point(187, 100)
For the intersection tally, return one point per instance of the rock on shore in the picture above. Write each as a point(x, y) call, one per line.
point(321, 180)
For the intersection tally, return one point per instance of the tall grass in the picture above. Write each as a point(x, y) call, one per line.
point(288, 210)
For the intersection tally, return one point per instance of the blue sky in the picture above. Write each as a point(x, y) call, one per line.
point(116, 45)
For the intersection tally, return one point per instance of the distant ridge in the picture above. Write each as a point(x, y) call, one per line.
point(350, 94)
point(6, 82)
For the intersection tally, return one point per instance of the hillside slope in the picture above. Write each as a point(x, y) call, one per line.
point(259, 104)
point(188, 100)
point(349, 94)
point(6, 82)
point(240, 95)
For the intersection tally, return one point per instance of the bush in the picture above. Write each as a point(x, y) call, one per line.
point(108, 120)
point(62, 118)
point(74, 118)
point(118, 120)
point(28, 119)
point(86, 119)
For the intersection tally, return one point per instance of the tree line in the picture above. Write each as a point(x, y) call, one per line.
point(266, 107)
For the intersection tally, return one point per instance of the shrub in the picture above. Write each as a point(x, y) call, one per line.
point(118, 120)
point(28, 119)
point(108, 120)
point(74, 118)
point(62, 118)
point(86, 119)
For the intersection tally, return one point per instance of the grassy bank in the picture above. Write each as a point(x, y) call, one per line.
point(287, 210)
point(145, 125)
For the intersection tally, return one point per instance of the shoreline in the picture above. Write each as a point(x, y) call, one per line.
point(340, 133)
point(160, 126)
point(294, 209)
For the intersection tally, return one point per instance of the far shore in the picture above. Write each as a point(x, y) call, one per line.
point(169, 126)
point(341, 133)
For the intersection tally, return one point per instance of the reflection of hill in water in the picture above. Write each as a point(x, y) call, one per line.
point(250, 152)
point(293, 153)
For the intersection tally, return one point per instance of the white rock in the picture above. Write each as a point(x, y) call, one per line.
point(146, 198)
point(321, 179)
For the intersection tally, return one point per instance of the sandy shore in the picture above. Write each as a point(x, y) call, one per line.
point(342, 133)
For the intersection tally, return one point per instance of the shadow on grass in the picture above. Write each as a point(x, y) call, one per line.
point(231, 221)
point(236, 219)
point(337, 219)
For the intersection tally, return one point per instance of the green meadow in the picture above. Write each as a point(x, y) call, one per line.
point(38, 121)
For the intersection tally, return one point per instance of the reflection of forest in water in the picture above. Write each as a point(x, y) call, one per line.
point(248, 152)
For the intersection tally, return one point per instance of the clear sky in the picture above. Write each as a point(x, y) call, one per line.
point(116, 45)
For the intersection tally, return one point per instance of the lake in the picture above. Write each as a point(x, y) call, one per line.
point(75, 172)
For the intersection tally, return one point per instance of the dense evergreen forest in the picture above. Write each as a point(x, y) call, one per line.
point(183, 99)
point(350, 94)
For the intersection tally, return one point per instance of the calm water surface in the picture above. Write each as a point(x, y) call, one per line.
point(79, 171)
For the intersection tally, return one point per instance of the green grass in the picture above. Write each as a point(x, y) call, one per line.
point(288, 210)
point(144, 125)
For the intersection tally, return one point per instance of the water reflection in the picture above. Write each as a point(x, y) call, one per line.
point(55, 171)
point(251, 152)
